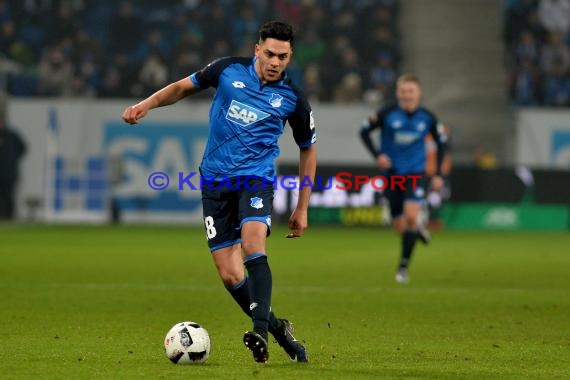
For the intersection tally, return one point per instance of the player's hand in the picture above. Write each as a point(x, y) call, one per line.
point(298, 223)
point(133, 114)
point(436, 183)
point(383, 162)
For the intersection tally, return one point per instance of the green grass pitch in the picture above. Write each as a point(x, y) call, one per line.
point(96, 302)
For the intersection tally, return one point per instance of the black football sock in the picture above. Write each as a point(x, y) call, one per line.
point(408, 242)
point(240, 294)
point(260, 284)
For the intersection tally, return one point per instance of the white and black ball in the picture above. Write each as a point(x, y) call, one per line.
point(187, 343)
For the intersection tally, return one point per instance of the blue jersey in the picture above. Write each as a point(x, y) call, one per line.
point(402, 137)
point(247, 118)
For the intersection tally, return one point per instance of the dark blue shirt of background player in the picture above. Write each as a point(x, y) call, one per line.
point(402, 138)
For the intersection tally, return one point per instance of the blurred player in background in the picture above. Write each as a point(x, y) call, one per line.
point(436, 198)
point(401, 151)
point(254, 98)
point(12, 150)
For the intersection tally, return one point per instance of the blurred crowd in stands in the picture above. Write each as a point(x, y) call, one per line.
point(537, 35)
point(346, 50)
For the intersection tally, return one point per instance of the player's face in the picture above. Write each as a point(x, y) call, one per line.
point(273, 56)
point(409, 95)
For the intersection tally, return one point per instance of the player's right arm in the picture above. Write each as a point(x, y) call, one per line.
point(374, 121)
point(200, 80)
point(163, 97)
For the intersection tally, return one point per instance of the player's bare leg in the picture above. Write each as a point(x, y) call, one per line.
point(229, 264)
point(423, 217)
point(399, 224)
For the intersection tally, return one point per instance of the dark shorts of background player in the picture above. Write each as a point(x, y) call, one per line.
point(397, 196)
point(226, 209)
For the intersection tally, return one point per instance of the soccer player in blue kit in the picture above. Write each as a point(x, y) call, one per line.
point(403, 128)
point(254, 98)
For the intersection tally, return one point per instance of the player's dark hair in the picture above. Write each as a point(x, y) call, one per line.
point(276, 29)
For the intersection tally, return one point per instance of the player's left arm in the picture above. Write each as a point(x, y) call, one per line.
point(298, 221)
point(305, 136)
point(440, 138)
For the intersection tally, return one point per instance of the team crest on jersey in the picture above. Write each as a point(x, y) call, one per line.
point(275, 100)
point(421, 126)
point(397, 124)
point(256, 202)
point(243, 114)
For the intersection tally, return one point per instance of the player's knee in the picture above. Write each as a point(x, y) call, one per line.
point(411, 223)
point(399, 228)
point(231, 278)
point(399, 224)
point(253, 236)
point(253, 245)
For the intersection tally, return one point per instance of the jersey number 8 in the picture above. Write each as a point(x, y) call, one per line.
point(210, 229)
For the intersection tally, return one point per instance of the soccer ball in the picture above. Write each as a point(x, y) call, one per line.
point(186, 343)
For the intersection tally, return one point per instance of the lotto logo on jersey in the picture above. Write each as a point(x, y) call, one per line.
point(243, 114)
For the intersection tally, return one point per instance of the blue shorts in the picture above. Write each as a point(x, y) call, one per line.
point(227, 207)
